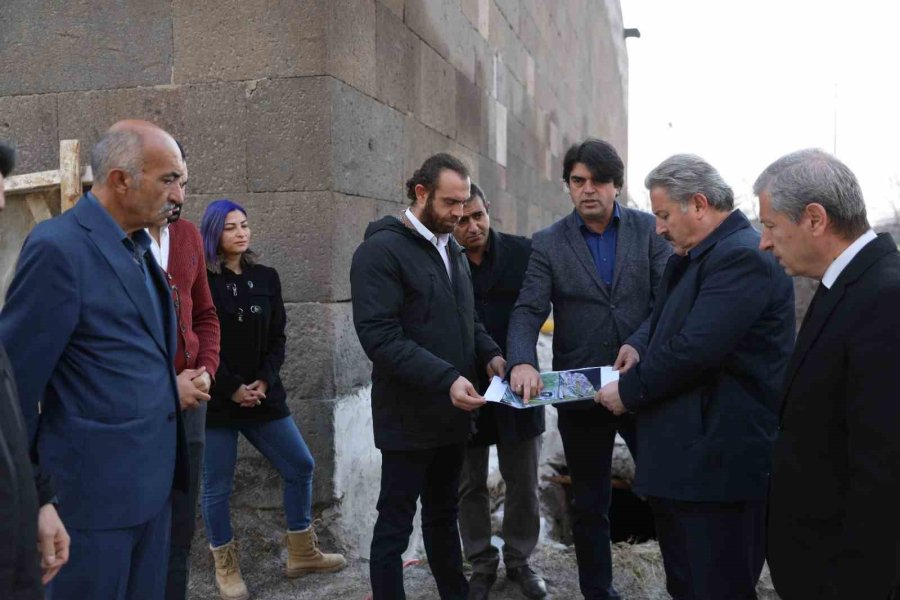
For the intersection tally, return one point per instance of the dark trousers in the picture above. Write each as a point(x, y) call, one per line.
point(184, 506)
point(116, 564)
point(711, 550)
point(588, 437)
point(433, 475)
point(521, 509)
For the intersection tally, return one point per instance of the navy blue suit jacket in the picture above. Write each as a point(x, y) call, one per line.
point(713, 353)
point(85, 344)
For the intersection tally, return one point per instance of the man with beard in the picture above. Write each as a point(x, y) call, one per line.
point(413, 308)
point(702, 376)
point(22, 524)
point(178, 249)
point(498, 261)
point(91, 321)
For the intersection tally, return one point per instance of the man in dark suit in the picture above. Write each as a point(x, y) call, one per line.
point(702, 376)
point(91, 320)
point(598, 267)
point(497, 262)
point(28, 516)
point(414, 312)
point(833, 528)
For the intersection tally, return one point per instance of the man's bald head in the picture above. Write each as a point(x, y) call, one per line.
point(124, 146)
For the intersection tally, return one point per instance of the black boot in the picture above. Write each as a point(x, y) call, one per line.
point(480, 585)
point(532, 584)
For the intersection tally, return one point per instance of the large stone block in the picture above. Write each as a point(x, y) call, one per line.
point(231, 40)
point(529, 32)
point(367, 145)
point(50, 46)
point(302, 235)
point(436, 102)
point(323, 357)
point(395, 6)
point(288, 134)
point(505, 213)
point(215, 142)
point(29, 124)
point(350, 216)
point(428, 19)
point(396, 60)
point(510, 10)
point(491, 177)
point(471, 115)
point(484, 65)
point(86, 115)
point(420, 142)
point(309, 237)
point(351, 43)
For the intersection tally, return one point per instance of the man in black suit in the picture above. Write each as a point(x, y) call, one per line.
point(833, 528)
point(702, 375)
point(497, 262)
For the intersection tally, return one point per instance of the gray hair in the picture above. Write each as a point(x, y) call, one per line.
point(684, 175)
point(800, 178)
point(117, 150)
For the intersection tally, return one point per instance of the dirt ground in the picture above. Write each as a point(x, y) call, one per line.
point(638, 569)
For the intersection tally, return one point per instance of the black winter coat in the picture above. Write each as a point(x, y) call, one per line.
point(20, 575)
point(497, 283)
point(252, 318)
point(421, 333)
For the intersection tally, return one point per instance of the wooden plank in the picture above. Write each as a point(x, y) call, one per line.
point(39, 206)
point(32, 182)
point(42, 181)
point(69, 173)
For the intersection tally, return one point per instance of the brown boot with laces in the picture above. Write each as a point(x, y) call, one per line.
point(305, 557)
point(228, 573)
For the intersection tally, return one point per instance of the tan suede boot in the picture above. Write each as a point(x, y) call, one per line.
point(228, 573)
point(305, 557)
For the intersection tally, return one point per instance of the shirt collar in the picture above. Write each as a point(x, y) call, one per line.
point(614, 222)
point(436, 239)
point(841, 262)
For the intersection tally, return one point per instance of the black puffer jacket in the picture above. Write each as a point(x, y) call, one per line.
point(421, 333)
point(20, 575)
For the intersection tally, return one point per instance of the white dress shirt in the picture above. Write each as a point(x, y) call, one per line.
point(841, 262)
point(160, 249)
point(440, 241)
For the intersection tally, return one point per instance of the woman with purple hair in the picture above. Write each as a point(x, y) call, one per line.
point(249, 398)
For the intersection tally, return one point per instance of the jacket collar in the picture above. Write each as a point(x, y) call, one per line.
point(108, 236)
point(812, 326)
point(733, 222)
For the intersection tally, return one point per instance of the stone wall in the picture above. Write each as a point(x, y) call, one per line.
point(312, 113)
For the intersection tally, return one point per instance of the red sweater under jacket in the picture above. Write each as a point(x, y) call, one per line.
point(198, 324)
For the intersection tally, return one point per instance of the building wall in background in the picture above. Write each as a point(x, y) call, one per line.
point(312, 114)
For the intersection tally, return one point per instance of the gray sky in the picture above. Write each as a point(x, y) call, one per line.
point(741, 83)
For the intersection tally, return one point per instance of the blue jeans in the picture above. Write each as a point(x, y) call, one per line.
point(283, 446)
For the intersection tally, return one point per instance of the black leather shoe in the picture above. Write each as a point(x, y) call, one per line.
point(480, 585)
point(532, 584)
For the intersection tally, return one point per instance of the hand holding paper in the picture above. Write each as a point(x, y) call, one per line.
point(608, 396)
